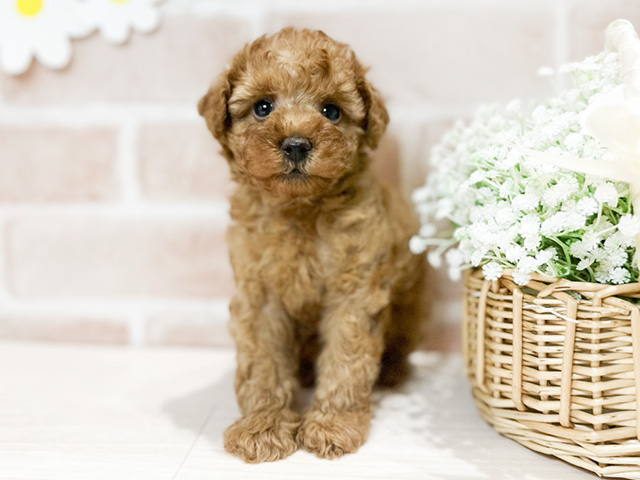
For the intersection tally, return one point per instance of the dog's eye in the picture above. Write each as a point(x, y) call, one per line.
point(332, 112)
point(263, 108)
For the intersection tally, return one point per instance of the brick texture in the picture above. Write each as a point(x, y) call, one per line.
point(64, 328)
point(589, 19)
point(103, 188)
point(430, 134)
point(67, 258)
point(182, 162)
point(183, 328)
point(56, 165)
point(446, 55)
point(443, 338)
point(175, 65)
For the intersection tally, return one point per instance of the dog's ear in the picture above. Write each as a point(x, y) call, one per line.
point(213, 107)
point(377, 117)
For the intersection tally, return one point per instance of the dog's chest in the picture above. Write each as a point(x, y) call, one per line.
point(293, 262)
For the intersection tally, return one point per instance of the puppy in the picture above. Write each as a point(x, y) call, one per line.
point(326, 288)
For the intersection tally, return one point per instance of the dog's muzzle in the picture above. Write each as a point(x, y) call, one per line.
point(296, 148)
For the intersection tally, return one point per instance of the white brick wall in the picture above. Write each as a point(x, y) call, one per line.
point(112, 193)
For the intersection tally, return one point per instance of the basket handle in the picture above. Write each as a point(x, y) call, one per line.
point(621, 37)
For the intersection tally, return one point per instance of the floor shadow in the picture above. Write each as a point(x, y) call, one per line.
point(434, 408)
point(216, 406)
point(193, 410)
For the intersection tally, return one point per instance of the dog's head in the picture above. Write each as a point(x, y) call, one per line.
point(294, 112)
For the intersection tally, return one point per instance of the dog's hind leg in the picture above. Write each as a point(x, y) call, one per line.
point(404, 333)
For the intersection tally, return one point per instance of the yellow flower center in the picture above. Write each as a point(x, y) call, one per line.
point(29, 8)
point(120, 1)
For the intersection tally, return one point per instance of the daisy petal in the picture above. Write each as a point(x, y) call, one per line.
point(54, 53)
point(146, 20)
point(81, 21)
point(15, 58)
point(115, 31)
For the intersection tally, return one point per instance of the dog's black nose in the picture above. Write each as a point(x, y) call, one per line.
point(296, 148)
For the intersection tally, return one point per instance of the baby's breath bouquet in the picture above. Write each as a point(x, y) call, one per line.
point(505, 209)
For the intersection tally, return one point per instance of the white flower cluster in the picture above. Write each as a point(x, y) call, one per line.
point(507, 211)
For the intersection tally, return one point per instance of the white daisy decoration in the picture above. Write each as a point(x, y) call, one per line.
point(116, 18)
point(40, 29)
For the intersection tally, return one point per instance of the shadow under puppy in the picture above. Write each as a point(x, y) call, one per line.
point(326, 287)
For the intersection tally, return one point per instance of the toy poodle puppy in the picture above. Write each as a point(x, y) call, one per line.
point(326, 288)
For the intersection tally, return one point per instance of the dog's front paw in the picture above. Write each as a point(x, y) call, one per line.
point(331, 435)
point(263, 436)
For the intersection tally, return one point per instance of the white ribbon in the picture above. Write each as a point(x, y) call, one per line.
point(614, 120)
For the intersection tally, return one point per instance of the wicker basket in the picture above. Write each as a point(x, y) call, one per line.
point(557, 371)
point(555, 365)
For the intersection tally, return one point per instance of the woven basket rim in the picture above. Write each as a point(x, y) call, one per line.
point(557, 287)
point(561, 381)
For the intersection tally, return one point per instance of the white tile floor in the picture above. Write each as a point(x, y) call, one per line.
point(106, 413)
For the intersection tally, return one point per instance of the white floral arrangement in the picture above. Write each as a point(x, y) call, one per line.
point(505, 209)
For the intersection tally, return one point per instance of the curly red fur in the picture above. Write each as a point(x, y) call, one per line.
point(326, 287)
